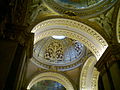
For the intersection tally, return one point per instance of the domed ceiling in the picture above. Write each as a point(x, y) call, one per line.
point(59, 54)
point(82, 8)
point(77, 4)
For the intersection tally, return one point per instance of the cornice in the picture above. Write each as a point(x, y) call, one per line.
point(89, 75)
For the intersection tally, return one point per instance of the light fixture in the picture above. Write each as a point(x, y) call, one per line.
point(58, 37)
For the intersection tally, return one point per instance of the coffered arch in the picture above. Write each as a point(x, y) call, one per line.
point(118, 26)
point(89, 75)
point(72, 29)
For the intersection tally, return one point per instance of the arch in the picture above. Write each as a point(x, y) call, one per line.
point(89, 75)
point(72, 29)
point(118, 26)
point(52, 76)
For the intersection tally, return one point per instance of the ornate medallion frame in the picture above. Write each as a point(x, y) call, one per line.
point(83, 12)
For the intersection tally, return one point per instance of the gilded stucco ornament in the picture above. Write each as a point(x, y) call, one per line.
point(54, 52)
point(95, 78)
point(105, 22)
point(89, 75)
point(81, 8)
point(36, 9)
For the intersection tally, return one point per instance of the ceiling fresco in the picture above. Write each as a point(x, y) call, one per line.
point(48, 85)
point(77, 4)
point(81, 8)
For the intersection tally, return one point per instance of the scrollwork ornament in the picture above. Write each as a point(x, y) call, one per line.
point(105, 22)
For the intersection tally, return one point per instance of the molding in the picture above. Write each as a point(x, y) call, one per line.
point(65, 67)
point(118, 26)
point(95, 79)
point(89, 75)
point(83, 12)
point(51, 76)
point(72, 29)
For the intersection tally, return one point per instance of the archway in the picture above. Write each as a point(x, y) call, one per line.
point(82, 33)
point(47, 85)
point(72, 29)
point(51, 76)
point(89, 75)
point(118, 26)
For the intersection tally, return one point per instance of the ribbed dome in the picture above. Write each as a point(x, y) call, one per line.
point(58, 52)
point(77, 4)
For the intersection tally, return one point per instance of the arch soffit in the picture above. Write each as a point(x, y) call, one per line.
point(118, 26)
point(72, 29)
point(89, 75)
point(51, 76)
